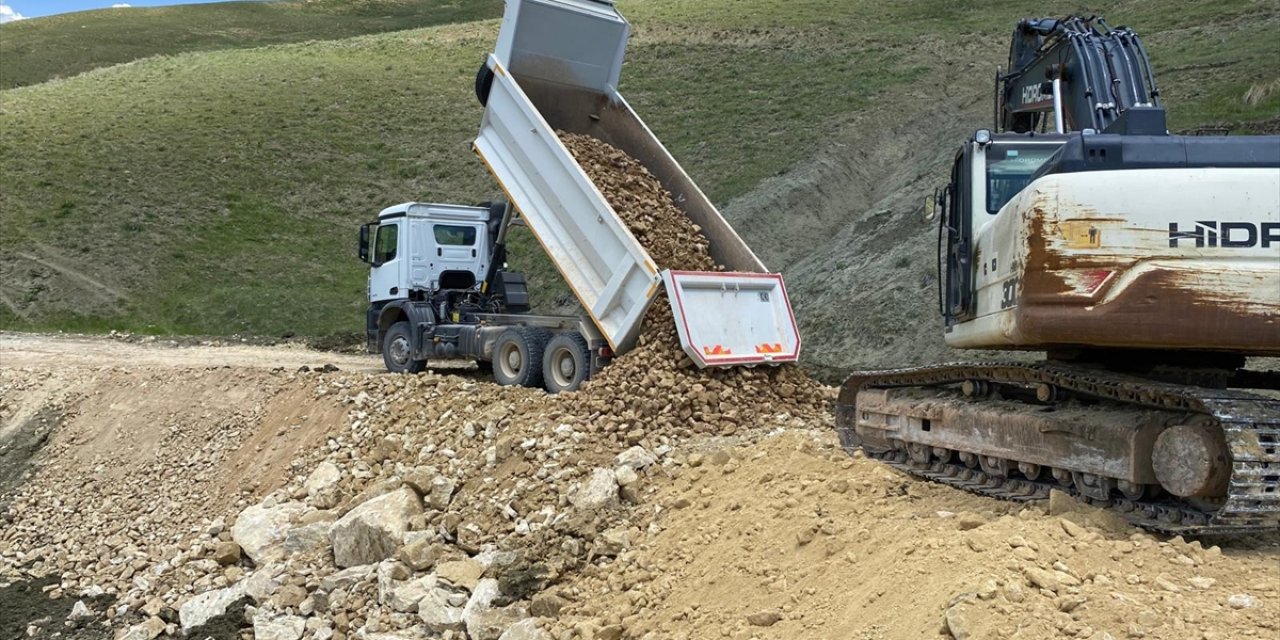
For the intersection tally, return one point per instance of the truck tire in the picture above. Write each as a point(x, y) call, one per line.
point(397, 350)
point(517, 356)
point(484, 82)
point(566, 363)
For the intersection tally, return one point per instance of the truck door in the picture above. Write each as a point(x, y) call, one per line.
point(459, 250)
point(385, 279)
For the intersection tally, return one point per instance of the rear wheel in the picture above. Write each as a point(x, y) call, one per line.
point(484, 82)
point(517, 356)
point(566, 364)
point(397, 350)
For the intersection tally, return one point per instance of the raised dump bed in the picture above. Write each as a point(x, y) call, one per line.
point(556, 67)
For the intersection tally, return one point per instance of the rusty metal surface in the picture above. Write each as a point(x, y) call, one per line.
point(1250, 425)
point(1097, 263)
point(1102, 280)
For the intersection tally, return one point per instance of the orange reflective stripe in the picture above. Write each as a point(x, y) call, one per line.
point(717, 350)
point(769, 348)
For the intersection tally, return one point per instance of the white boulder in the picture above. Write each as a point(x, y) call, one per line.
point(597, 492)
point(374, 530)
point(209, 605)
point(281, 627)
point(260, 530)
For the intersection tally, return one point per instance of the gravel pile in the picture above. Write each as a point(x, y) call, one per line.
point(670, 237)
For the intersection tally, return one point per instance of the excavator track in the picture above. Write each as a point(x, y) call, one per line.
point(1250, 424)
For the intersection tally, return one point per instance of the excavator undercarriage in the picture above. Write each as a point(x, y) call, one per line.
point(1173, 458)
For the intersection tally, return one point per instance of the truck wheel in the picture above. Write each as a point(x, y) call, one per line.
point(397, 350)
point(517, 356)
point(566, 364)
point(484, 82)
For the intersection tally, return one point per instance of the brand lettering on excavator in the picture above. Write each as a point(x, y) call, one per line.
point(1032, 94)
point(1231, 235)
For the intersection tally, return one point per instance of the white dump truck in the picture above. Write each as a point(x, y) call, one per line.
point(438, 282)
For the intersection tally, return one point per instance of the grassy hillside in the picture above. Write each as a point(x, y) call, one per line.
point(218, 192)
point(33, 51)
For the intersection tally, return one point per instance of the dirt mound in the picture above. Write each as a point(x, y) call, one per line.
point(791, 532)
point(698, 534)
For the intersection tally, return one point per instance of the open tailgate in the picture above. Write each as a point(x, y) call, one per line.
point(731, 319)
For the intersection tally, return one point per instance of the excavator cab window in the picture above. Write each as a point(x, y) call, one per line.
point(1009, 170)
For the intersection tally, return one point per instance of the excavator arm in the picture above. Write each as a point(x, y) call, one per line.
point(1072, 74)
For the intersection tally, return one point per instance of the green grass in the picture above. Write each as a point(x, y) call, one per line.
point(33, 51)
point(220, 190)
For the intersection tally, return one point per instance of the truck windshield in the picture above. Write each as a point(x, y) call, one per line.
point(455, 235)
point(384, 243)
point(1009, 169)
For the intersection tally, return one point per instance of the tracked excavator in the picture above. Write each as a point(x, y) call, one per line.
point(1145, 265)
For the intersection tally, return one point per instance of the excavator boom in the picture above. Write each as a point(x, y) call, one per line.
point(1078, 69)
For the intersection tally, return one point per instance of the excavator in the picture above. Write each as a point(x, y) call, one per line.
point(1144, 265)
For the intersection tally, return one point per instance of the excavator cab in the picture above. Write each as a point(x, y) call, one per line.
point(989, 171)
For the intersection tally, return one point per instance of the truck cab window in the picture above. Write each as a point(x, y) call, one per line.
point(1009, 170)
point(384, 243)
point(455, 235)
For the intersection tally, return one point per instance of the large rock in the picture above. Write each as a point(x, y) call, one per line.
point(374, 530)
point(460, 573)
point(441, 493)
point(263, 583)
point(280, 627)
point(636, 458)
point(209, 605)
point(597, 492)
point(421, 554)
point(322, 486)
point(405, 596)
point(438, 611)
point(148, 630)
point(347, 578)
point(260, 530)
point(483, 620)
point(309, 538)
point(413, 633)
point(526, 629)
point(226, 553)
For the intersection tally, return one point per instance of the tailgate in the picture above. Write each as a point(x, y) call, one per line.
point(727, 319)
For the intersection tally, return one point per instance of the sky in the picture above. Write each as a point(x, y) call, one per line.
point(18, 9)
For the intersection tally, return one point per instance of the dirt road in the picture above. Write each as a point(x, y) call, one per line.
point(46, 351)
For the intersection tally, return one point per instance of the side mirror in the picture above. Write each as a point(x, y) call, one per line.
point(364, 242)
point(930, 206)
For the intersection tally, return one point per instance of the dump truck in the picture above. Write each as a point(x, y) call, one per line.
point(439, 286)
point(1145, 265)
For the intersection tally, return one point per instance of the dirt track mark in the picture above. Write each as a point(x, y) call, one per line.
point(92, 285)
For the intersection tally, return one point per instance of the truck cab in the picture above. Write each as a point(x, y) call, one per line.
point(439, 289)
point(424, 248)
